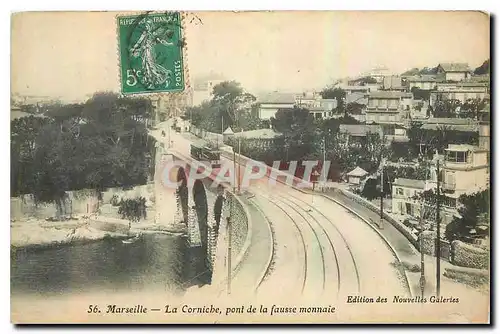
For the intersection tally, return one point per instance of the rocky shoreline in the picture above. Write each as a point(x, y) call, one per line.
point(34, 234)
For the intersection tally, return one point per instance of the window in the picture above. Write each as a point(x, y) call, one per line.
point(450, 178)
point(449, 202)
point(460, 157)
point(399, 191)
point(409, 209)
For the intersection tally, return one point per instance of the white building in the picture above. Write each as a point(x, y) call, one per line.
point(378, 73)
point(465, 169)
point(388, 106)
point(271, 103)
point(424, 82)
point(454, 71)
point(204, 91)
point(404, 193)
point(461, 91)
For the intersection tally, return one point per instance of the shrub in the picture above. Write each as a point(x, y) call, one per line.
point(133, 209)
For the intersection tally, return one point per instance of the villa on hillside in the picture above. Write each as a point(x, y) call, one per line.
point(461, 91)
point(424, 82)
point(454, 71)
point(272, 102)
point(387, 106)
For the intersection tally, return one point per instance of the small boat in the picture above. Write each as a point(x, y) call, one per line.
point(133, 239)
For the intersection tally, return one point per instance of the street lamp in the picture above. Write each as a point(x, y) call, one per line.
point(422, 265)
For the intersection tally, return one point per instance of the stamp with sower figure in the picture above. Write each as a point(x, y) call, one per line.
point(150, 47)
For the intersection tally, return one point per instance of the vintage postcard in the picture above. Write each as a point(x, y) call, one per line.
point(250, 167)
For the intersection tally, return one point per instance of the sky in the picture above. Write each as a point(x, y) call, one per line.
point(74, 54)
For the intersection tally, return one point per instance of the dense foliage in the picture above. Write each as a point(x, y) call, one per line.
point(484, 68)
point(132, 209)
point(94, 145)
point(474, 214)
point(230, 106)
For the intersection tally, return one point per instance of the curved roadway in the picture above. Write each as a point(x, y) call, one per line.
point(314, 247)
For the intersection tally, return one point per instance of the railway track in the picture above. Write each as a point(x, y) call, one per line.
point(343, 274)
point(318, 237)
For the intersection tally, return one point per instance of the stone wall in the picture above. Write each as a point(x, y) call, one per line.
point(78, 202)
point(239, 220)
point(466, 255)
point(208, 136)
point(398, 225)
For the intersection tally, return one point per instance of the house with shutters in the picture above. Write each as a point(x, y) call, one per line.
point(388, 106)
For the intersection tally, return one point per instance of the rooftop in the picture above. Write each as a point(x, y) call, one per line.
point(453, 127)
point(463, 148)
point(387, 94)
point(278, 98)
point(451, 121)
point(356, 88)
point(409, 183)
point(360, 130)
point(454, 67)
point(358, 172)
point(356, 97)
point(422, 78)
point(480, 78)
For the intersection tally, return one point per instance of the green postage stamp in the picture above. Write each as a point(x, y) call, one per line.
point(150, 47)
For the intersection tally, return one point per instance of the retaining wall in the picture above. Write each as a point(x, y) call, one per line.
point(398, 225)
point(465, 255)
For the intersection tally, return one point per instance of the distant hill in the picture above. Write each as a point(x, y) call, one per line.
point(483, 69)
point(417, 71)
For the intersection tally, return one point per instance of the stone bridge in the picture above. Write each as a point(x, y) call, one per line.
point(199, 208)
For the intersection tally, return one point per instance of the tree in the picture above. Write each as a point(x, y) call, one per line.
point(347, 119)
point(446, 108)
point(429, 200)
point(443, 136)
point(230, 106)
point(101, 143)
point(370, 190)
point(367, 80)
point(472, 209)
point(298, 129)
point(411, 72)
point(231, 99)
point(132, 209)
point(428, 70)
point(421, 94)
point(472, 108)
point(333, 93)
point(354, 108)
point(483, 69)
point(420, 138)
